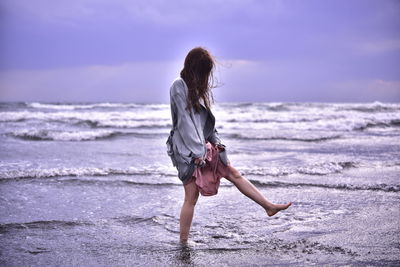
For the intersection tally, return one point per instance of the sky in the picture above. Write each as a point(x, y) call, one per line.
point(266, 50)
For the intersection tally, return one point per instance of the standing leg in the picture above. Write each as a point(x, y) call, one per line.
point(249, 190)
point(187, 211)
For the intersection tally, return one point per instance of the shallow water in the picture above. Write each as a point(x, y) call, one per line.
point(91, 184)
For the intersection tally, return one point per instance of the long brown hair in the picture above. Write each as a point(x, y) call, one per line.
point(198, 75)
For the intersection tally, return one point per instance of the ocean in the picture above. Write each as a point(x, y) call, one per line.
point(84, 184)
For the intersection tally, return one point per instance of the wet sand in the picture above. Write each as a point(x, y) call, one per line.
point(60, 222)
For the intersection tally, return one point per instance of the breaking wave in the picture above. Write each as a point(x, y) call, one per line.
point(285, 138)
point(127, 124)
point(323, 168)
point(79, 176)
point(74, 117)
point(47, 135)
point(374, 187)
point(298, 122)
point(277, 120)
point(390, 123)
point(369, 108)
point(64, 106)
point(82, 171)
point(316, 169)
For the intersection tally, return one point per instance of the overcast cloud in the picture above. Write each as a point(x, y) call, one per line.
point(273, 50)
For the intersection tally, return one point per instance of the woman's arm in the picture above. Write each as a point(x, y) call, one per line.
point(214, 138)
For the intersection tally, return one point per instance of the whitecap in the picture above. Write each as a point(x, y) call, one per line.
point(63, 135)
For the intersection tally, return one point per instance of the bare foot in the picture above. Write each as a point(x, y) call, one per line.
point(276, 208)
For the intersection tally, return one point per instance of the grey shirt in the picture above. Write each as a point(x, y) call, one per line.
point(190, 131)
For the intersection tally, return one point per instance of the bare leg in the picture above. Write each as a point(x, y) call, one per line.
point(249, 190)
point(187, 211)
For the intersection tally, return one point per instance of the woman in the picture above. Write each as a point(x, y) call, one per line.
point(194, 146)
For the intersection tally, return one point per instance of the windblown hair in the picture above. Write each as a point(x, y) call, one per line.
point(198, 75)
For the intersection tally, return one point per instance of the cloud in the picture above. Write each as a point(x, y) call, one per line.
point(239, 79)
point(379, 46)
point(134, 81)
point(299, 81)
point(273, 50)
point(74, 12)
point(364, 90)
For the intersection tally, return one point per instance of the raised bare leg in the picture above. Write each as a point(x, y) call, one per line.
point(249, 190)
point(187, 211)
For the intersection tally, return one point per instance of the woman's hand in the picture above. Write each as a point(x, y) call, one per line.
point(199, 162)
point(220, 147)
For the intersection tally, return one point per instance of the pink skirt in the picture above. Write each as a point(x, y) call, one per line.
point(208, 177)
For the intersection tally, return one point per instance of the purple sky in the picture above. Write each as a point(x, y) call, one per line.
point(267, 50)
